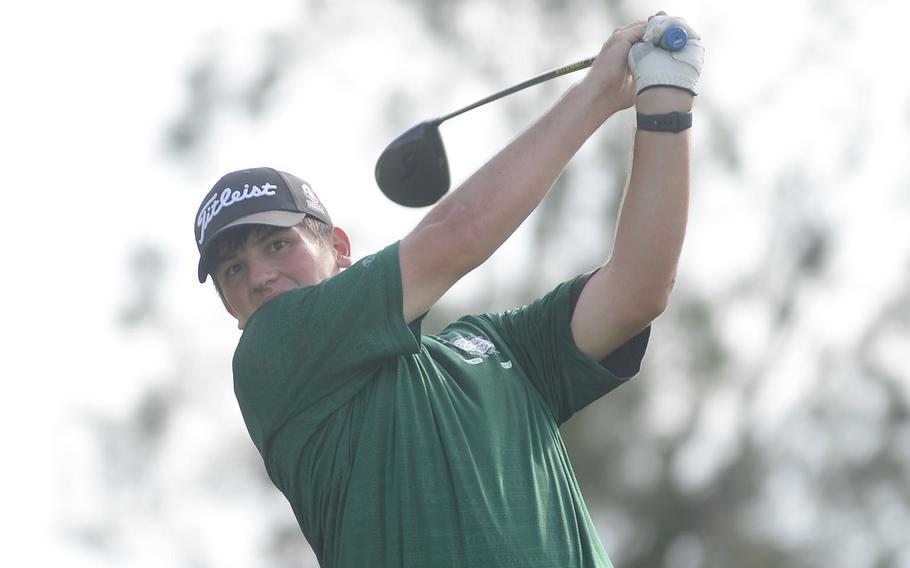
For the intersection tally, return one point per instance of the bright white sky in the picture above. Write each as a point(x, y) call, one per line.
point(89, 85)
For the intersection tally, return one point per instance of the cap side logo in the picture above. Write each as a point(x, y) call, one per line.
point(226, 198)
point(312, 200)
point(308, 191)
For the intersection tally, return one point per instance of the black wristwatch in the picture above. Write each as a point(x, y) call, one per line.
point(668, 122)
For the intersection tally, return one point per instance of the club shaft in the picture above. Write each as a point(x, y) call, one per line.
point(577, 66)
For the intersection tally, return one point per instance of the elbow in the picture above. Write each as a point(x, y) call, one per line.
point(641, 296)
point(662, 297)
point(657, 309)
point(647, 313)
point(655, 301)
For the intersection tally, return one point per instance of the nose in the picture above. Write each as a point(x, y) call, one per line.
point(262, 274)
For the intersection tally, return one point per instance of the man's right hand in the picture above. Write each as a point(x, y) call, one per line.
point(610, 75)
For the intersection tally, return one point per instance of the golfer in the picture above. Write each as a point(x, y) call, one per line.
point(396, 448)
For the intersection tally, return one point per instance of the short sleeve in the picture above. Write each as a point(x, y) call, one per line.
point(308, 351)
point(625, 360)
point(539, 338)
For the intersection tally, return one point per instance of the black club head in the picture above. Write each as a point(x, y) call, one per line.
point(413, 169)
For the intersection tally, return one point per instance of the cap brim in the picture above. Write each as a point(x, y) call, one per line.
point(271, 218)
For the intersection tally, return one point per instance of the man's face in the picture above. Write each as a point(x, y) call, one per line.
point(267, 265)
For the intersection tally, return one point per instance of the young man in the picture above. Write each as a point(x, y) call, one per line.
point(401, 449)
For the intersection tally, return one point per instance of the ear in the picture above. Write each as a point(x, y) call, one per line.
point(342, 246)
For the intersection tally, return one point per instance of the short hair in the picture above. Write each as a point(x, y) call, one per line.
point(231, 241)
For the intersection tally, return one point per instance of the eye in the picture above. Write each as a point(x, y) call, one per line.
point(279, 244)
point(232, 270)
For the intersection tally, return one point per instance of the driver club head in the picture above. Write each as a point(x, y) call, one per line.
point(413, 170)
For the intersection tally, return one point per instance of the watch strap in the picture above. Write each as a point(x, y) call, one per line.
point(667, 122)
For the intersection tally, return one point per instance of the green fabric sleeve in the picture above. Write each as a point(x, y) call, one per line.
point(539, 338)
point(308, 351)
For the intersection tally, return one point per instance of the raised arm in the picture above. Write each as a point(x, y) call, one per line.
point(469, 224)
point(633, 287)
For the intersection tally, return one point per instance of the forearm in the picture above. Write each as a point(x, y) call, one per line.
point(652, 221)
point(487, 208)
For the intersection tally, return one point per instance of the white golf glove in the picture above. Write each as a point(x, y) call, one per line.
point(654, 66)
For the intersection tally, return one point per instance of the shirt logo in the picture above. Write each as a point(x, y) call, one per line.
point(474, 346)
point(229, 197)
point(475, 349)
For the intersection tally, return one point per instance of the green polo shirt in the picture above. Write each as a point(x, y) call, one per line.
point(401, 449)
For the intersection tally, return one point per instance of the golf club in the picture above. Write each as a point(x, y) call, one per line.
point(413, 170)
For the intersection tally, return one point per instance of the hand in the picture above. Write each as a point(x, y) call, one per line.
point(654, 66)
point(610, 74)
